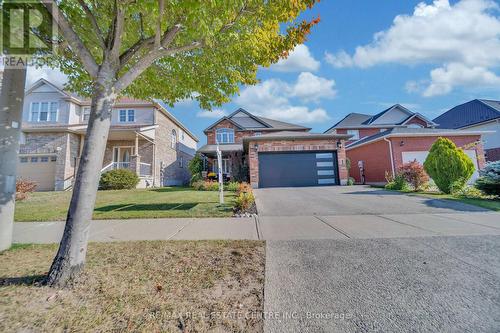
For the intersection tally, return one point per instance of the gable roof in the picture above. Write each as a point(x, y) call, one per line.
point(409, 132)
point(470, 113)
point(352, 119)
point(253, 122)
point(380, 114)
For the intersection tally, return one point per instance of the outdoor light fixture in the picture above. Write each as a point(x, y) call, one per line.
point(401, 143)
point(339, 144)
point(256, 146)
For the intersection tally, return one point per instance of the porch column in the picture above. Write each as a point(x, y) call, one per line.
point(135, 159)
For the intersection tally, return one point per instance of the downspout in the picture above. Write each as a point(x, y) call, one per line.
point(392, 157)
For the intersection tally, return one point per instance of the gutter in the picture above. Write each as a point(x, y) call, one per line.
point(392, 157)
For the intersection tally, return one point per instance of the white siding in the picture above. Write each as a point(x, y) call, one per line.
point(143, 115)
point(393, 116)
point(491, 140)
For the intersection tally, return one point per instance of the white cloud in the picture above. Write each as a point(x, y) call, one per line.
point(300, 59)
point(215, 113)
point(273, 98)
point(310, 87)
point(52, 75)
point(465, 34)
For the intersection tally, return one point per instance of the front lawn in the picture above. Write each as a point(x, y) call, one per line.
point(161, 286)
point(127, 204)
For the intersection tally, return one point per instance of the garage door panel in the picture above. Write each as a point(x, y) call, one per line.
point(294, 169)
point(40, 169)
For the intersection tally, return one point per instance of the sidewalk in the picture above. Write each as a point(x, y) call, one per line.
point(143, 229)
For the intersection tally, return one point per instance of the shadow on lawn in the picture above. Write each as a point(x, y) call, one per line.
point(28, 280)
point(145, 207)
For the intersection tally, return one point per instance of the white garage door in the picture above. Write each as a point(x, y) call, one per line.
point(420, 156)
point(40, 169)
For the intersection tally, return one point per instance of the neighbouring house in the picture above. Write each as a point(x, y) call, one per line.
point(271, 153)
point(144, 137)
point(382, 143)
point(384, 153)
point(476, 115)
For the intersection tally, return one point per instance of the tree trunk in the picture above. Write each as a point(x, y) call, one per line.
point(11, 110)
point(70, 257)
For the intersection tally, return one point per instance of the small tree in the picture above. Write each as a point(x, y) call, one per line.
point(414, 173)
point(489, 182)
point(195, 166)
point(446, 165)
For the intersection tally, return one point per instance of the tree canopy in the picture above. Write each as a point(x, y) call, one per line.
point(176, 49)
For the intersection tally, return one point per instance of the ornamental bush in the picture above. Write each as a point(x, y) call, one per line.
point(195, 166)
point(399, 183)
point(414, 173)
point(489, 180)
point(23, 188)
point(447, 164)
point(119, 179)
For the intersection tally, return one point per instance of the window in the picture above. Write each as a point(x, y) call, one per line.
point(34, 159)
point(225, 135)
point(44, 159)
point(173, 142)
point(257, 134)
point(86, 114)
point(23, 160)
point(22, 138)
point(53, 158)
point(354, 133)
point(383, 130)
point(181, 161)
point(225, 166)
point(181, 134)
point(44, 111)
point(126, 116)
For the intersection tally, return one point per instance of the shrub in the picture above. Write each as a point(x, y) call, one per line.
point(195, 166)
point(244, 201)
point(233, 186)
point(446, 165)
point(195, 178)
point(468, 192)
point(350, 181)
point(489, 182)
point(198, 185)
point(211, 186)
point(414, 174)
point(399, 183)
point(23, 188)
point(119, 179)
point(244, 188)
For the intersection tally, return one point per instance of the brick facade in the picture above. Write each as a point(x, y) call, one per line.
point(377, 159)
point(294, 145)
point(492, 154)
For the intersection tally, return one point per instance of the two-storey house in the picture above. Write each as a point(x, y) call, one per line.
point(143, 137)
point(273, 153)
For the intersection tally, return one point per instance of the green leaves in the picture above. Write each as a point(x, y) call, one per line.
point(237, 37)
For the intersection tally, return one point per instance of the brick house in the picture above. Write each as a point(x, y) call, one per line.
point(360, 125)
point(476, 115)
point(143, 137)
point(271, 153)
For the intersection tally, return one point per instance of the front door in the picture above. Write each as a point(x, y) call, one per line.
point(121, 156)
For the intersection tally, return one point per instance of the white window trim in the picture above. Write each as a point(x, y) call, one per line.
point(355, 134)
point(83, 113)
point(225, 162)
point(173, 139)
point(30, 116)
point(127, 118)
point(224, 132)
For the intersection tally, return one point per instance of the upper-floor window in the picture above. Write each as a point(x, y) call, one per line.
point(225, 135)
point(127, 116)
point(44, 111)
point(257, 134)
point(182, 135)
point(354, 133)
point(86, 114)
point(173, 142)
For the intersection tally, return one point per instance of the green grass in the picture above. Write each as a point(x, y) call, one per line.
point(493, 204)
point(128, 204)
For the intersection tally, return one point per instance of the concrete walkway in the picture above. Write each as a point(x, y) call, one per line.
point(145, 229)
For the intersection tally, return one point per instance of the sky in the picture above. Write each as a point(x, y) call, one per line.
point(365, 56)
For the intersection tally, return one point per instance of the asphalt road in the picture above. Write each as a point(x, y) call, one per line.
point(424, 284)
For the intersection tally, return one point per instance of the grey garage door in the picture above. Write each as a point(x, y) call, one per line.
point(289, 169)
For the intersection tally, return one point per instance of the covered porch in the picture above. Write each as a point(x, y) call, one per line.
point(234, 162)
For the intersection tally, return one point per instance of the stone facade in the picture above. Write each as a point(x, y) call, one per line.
point(295, 145)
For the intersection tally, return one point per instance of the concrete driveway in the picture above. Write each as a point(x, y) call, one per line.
point(358, 259)
point(343, 212)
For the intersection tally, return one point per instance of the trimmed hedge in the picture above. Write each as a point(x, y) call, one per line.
point(448, 165)
point(489, 182)
point(119, 179)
